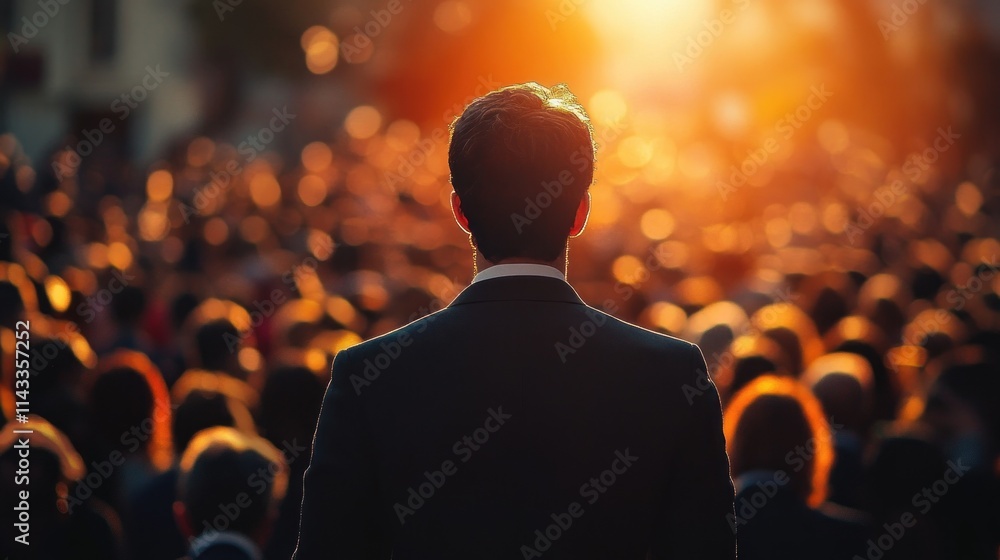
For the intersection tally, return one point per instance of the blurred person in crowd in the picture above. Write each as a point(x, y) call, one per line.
point(11, 305)
point(150, 527)
point(781, 449)
point(843, 383)
point(901, 471)
point(289, 407)
point(130, 413)
point(550, 415)
point(963, 416)
point(58, 525)
point(217, 344)
point(747, 358)
point(229, 490)
point(858, 335)
point(127, 309)
point(57, 372)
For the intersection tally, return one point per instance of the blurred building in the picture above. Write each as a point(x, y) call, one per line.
point(67, 65)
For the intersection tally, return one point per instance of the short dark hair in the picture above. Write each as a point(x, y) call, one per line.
point(521, 160)
point(225, 468)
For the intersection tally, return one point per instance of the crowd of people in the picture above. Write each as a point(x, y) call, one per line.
point(182, 320)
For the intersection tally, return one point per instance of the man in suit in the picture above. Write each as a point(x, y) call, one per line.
point(518, 422)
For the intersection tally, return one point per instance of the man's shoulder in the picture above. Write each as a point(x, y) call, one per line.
point(400, 337)
point(640, 336)
point(624, 334)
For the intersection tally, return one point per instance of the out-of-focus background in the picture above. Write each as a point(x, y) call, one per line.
point(214, 197)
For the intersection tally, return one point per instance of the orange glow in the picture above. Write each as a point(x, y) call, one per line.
point(312, 190)
point(216, 231)
point(607, 106)
point(200, 151)
point(153, 222)
point(265, 190)
point(59, 203)
point(119, 255)
point(968, 198)
point(321, 49)
point(159, 185)
point(657, 224)
point(316, 156)
point(58, 292)
point(363, 122)
point(452, 16)
point(628, 269)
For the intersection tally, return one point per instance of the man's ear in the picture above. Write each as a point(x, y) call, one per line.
point(456, 208)
point(582, 213)
point(183, 523)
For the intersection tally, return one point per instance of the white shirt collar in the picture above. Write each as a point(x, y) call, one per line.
point(519, 269)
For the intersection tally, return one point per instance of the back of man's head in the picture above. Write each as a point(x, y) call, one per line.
point(229, 481)
point(522, 159)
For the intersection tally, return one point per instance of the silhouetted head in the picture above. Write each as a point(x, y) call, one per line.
point(121, 400)
point(129, 402)
point(217, 341)
point(200, 409)
point(223, 467)
point(11, 304)
point(289, 404)
point(55, 466)
point(776, 424)
point(842, 381)
point(128, 306)
point(522, 160)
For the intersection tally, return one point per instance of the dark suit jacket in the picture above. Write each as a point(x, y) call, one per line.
point(516, 423)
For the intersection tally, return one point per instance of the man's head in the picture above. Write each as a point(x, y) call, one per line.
point(229, 481)
point(522, 159)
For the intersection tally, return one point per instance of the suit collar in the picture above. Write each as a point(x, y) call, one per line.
point(518, 288)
